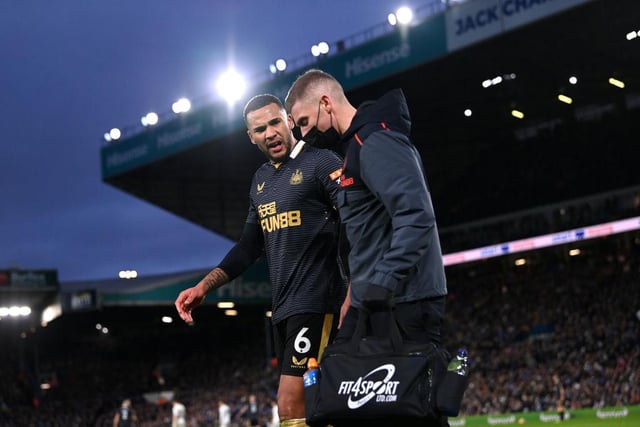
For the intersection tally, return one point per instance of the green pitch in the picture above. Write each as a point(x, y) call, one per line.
point(628, 416)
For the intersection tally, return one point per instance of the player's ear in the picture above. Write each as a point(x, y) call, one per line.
point(290, 121)
point(327, 103)
point(250, 138)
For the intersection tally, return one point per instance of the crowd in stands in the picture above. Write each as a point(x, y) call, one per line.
point(573, 316)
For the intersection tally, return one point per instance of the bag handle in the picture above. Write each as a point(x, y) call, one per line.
point(392, 332)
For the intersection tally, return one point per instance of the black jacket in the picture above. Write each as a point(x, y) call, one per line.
point(386, 206)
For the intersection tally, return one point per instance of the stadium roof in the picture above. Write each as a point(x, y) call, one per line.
point(199, 166)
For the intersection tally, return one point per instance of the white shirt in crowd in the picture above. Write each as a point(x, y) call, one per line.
point(224, 415)
point(179, 412)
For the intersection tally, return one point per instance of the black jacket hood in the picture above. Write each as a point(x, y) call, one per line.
point(391, 109)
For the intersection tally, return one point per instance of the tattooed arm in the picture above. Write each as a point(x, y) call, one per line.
point(239, 258)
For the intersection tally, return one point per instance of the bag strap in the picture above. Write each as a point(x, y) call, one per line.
point(392, 332)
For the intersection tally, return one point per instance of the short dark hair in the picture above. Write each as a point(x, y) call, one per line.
point(304, 82)
point(260, 101)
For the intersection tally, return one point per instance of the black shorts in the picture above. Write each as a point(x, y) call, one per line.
point(302, 336)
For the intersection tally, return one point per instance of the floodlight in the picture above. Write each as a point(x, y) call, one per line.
point(115, 134)
point(281, 64)
point(182, 105)
point(323, 48)
point(573, 80)
point(50, 313)
point(468, 112)
point(404, 15)
point(231, 86)
point(128, 274)
point(315, 50)
point(15, 311)
point(392, 19)
point(149, 119)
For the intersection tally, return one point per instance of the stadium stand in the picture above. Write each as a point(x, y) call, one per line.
point(571, 315)
point(577, 316)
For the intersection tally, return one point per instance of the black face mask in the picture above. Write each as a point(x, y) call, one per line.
point(327, 139)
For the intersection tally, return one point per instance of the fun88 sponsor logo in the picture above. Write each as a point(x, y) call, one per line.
point(377, 383)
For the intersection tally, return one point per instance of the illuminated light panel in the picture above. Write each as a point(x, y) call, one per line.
point(226, 304)
point(564, 98)
point(231, 313)
point(517, 114)
point(520, 262)
point(543, 241)
point(617, 83)
point(574, 252)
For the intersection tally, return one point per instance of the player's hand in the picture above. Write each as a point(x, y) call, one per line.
point(345, 307)
point(188, 300)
